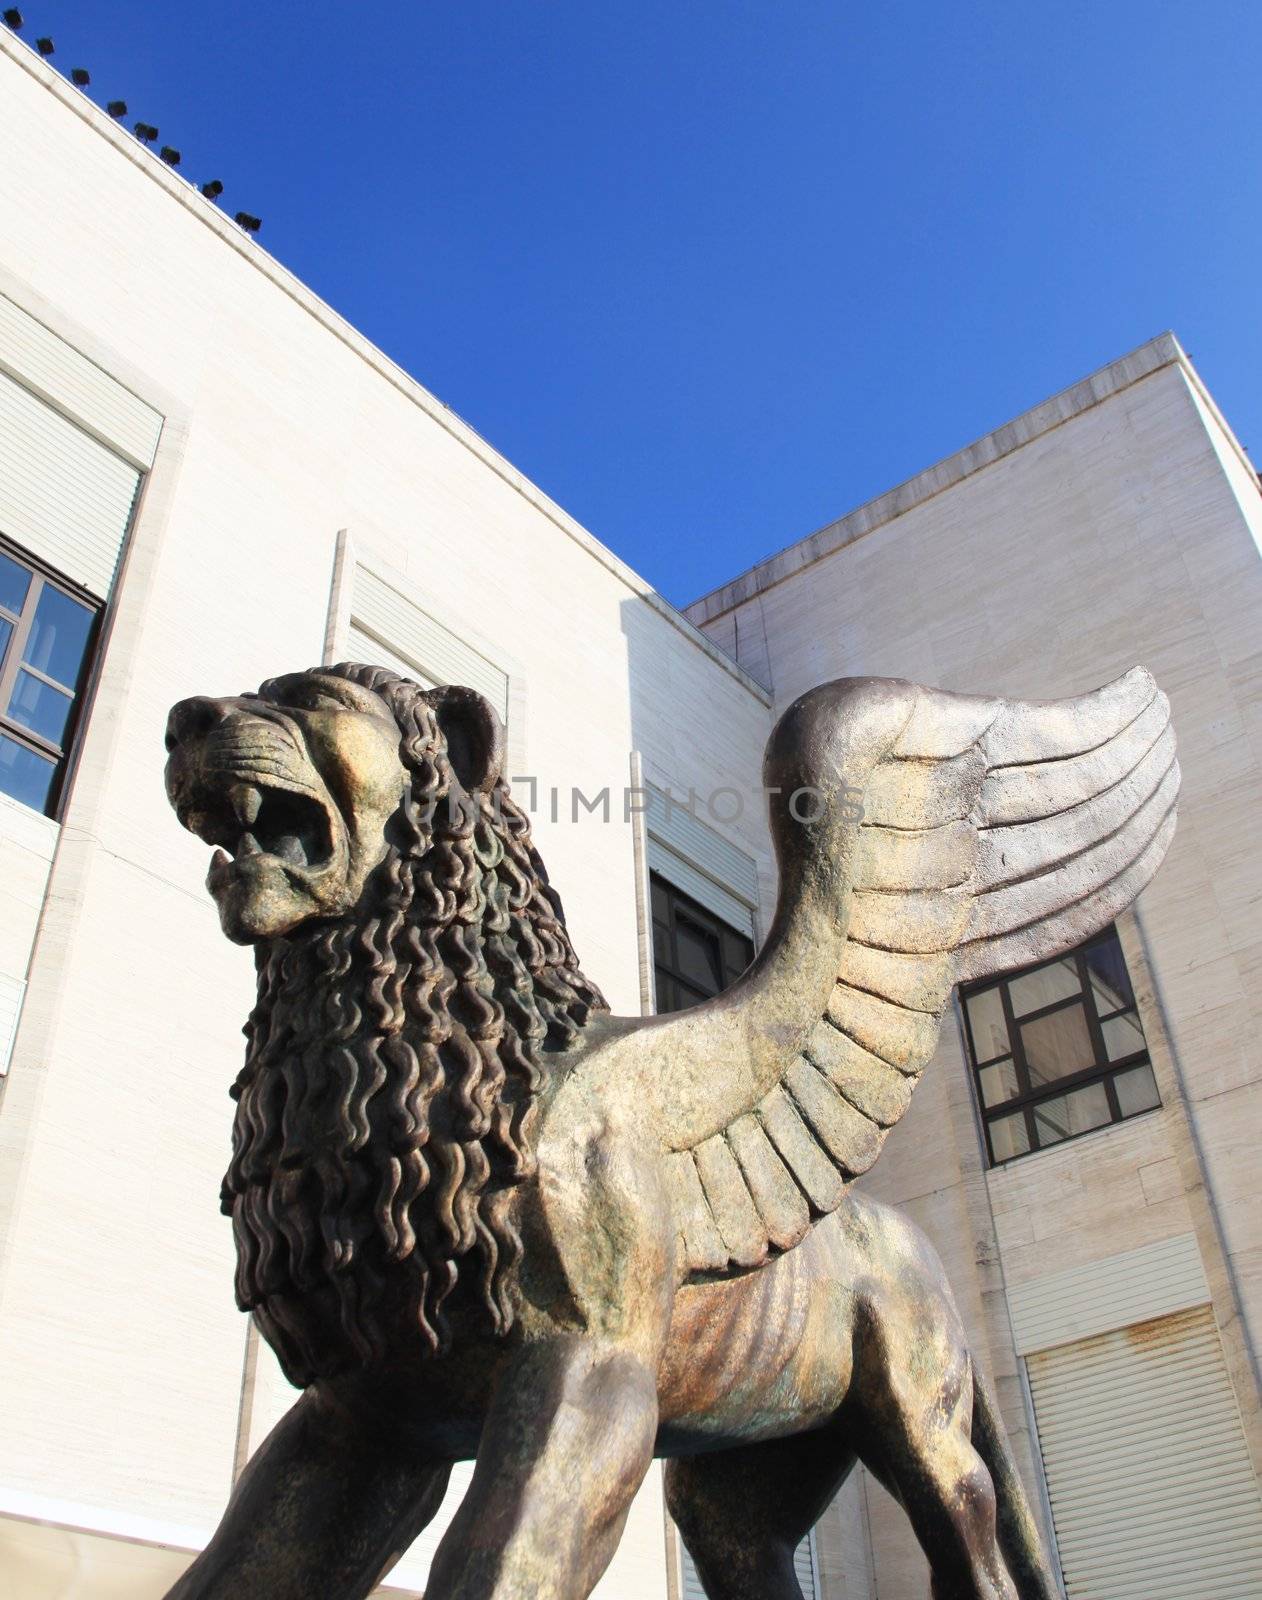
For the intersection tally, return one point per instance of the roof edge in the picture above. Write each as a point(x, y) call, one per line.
point(1163, 351)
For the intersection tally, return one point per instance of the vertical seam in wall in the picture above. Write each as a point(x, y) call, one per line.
point(674, 1557)
point(338, 622)
point(643, 920)
point(766, 647)
point(1040, 1472)
point(1133, 932)
point(245, 1407)
point(865, 1509)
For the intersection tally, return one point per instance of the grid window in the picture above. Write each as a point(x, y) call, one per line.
point(47, 631)
point(695, 954)
point(1058, 1050)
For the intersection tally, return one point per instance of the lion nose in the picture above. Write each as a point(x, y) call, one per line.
point(191, 718)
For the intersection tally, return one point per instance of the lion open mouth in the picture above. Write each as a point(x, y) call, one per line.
point(253, 817)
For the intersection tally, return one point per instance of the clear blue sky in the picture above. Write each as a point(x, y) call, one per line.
point(714, 272)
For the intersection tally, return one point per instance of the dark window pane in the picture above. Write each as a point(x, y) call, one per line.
point(1123, 1036)
point(1057, 1045)
point(59, 636)
point(1009, 1136)
point(24, 775)
point(999, 1082)
point(1109, 977)
point(697, 957)
point(1044, 987)
point(985, 1018)
point(695, 954)
point(738, 952)
point(1068, 1114)
point(1136, 1090)
point(15, 580)
point(40, 707)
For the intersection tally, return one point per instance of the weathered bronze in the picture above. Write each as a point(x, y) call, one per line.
point(477, 1217)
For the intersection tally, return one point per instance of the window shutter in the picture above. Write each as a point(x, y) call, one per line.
point(1152, 1492)
point(804, 1566)
point(1139, 1285)
point(63, 496)
point(63, 377)
point(362, 647)
point(700, 862)
point(402, 636)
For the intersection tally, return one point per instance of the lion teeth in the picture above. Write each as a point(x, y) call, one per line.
point(289, 849)
point(249, 846)
point(247, 802)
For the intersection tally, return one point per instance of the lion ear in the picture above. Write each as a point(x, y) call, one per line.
point(474, 734)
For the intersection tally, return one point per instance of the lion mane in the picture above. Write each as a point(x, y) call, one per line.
point(393, 1062)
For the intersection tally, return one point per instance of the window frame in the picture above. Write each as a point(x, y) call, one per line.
point(11, 664)
point(666, 955)
point(1029, 1096)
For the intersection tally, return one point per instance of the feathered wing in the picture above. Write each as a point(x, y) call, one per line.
point(994, 833)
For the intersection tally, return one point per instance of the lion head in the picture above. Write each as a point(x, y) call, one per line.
point(414, 978)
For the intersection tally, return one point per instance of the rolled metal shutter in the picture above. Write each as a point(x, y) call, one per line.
point(698, 861)
point(1152, 1491)
point(362, 647)
point(803, 1566)
point(63, 495)
point(417, 640)
point(74, 385)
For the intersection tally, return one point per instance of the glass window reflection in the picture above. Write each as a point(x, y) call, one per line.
point(15, 580)
point(24, 775)
point(1058, 1050)
point(59, 636)
point(40, 707)
point(46, 634)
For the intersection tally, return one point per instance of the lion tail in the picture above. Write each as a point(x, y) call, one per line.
point(1019, 1538)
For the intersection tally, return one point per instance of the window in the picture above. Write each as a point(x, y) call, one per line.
point(47, 630)
point(695, 955)
point(1058, 1050)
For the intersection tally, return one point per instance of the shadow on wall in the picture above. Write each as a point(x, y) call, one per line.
point(700, 729)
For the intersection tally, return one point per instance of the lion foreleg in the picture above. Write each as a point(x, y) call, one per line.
point(324, 1508)
point(566, 1445)
point(572, 1423)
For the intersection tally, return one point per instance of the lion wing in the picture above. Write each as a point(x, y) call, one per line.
point(995, 833)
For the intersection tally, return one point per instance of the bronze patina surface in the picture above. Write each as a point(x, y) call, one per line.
point(477, 1217)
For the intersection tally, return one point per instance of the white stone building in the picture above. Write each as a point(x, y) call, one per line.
point(207, 476)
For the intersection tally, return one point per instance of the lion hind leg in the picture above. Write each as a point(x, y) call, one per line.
point(743, 1512)
point(922, 1450)
point(1019, 1537)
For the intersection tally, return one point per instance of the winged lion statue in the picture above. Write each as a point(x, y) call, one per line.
point(479, 1218)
